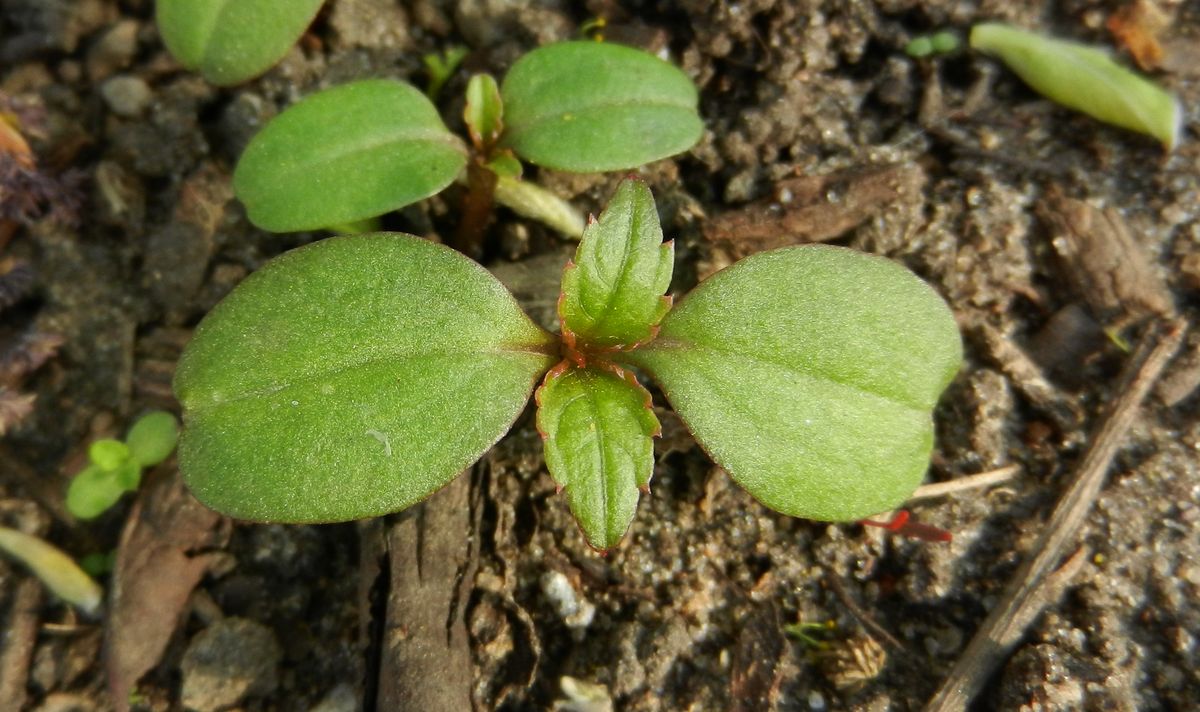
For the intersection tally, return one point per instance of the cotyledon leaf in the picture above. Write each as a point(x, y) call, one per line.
point(598, 429)
point(613, 291)
point(596, 106)
point(230, 41)
point(809, 374)
point(352, 377)
point(344, 154)
point(1085, 79)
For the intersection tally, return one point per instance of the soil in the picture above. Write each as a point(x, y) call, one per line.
point(813, 112)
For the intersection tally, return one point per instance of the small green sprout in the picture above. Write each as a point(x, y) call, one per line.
point(943, 42)
point(116, 467)
point(231, 41)
point(440, 66)
point(367, 148)
point(358, 375)
point(1085, 79)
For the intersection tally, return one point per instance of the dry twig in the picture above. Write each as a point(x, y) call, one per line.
point(962, 484)
point(1029, 591)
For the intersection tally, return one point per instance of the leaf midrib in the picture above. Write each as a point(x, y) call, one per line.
point(315, 376)
point(513, 132)
point(667, 343)
point(429, 136)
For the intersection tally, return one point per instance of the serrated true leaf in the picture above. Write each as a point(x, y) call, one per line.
point(613, 291)
point(598, 429)
point(352, 377)
point(1085, 79)
point(592, 106)
point(230, 41)
point(809, 374)
point(484, 113)
point(344, 154)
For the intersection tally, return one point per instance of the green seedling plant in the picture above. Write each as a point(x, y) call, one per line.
point(115, 467)
point(360, 150)
point(231, 41)
point(357, 375)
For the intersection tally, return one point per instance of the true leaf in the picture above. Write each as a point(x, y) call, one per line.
point(592, 106)
point(108, 454)
point(598, 446)
point(230, 41)
point(613, 291)
point(483, 113)
point(352, 377)
point(1085, 79)
point(390, 148)
point(809, 374)
point(152, 438)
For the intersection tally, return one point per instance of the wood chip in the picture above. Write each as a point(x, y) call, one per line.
point(809, 209)
point(1100, 257)
point(756, 671)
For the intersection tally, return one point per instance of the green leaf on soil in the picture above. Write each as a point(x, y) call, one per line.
point(598, 445)
point(1085, 79)
point(484, 112)
point(613, 291)
point(809, 374)
point(230, 41)
point(390, 149)
point(152, 438)
point(93, 491)
point(352, 377)
point(592, 106)
point(56, 570)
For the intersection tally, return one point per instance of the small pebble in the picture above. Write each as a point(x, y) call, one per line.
point(125, 95)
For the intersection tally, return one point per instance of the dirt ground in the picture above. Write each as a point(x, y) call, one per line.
point(1059, 242)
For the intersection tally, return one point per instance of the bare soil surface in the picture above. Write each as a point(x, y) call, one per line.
point(1062, 245)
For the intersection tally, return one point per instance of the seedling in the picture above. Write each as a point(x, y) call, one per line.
point(357, 375)
point(56, 570)
point(230, 42)
point(363, 149)
point(116, 467)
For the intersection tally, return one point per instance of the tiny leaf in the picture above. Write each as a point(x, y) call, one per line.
point(598, 430)
point(809, 374)
point(592, 106)
point(1084, 79)
point(152, 438)
point(56, 570)
point(613, 291)
point(390, 149)
point(484, 111)
point(108, 454)
point(352, 377)
point(230, 41)
point(93, 491)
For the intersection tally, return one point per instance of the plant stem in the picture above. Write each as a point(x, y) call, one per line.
point(532, 201)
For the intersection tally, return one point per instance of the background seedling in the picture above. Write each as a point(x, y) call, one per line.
point(116, 467)
point(230, 42)
point(56, 570)
point(364, 149)
point(357, 375)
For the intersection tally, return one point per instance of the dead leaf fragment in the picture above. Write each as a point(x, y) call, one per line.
point(153, 578)
point(1137, 27)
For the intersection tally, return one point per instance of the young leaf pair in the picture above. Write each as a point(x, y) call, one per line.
point(360, 150)
point(357, 375)
point(115, 467)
